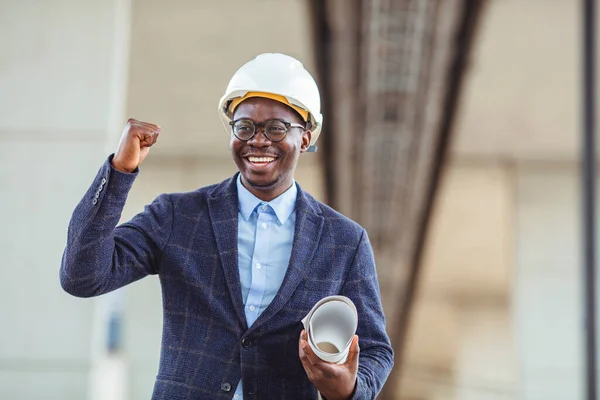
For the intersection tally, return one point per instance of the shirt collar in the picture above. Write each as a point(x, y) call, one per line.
point(283, 205)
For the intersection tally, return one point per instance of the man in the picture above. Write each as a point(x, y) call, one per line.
point(240, 262)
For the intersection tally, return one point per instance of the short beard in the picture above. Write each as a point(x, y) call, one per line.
point(263, 186)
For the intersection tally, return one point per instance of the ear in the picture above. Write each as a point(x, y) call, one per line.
point(306, 136)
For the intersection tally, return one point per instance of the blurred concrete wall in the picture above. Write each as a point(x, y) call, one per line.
point(499, 315)
point(60, 65)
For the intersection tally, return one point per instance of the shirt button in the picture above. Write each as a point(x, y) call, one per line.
point(236, 397)
point(252, 308)
point(263, 225)
point(258, 266)
point(226, 387)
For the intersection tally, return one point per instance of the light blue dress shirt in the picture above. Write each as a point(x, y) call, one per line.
point(265, 236)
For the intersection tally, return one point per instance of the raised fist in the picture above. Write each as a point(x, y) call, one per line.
point(135, 143)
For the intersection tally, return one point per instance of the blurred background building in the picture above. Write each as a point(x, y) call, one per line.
point(451, 133)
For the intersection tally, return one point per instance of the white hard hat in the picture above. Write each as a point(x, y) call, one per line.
point(280, 77)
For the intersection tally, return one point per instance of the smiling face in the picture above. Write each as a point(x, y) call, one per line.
point(267, 167)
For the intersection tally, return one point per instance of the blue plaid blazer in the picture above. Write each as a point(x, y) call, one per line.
point(190, 241)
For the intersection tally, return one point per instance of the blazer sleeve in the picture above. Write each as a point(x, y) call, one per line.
point(100, 257)
point(376, 357)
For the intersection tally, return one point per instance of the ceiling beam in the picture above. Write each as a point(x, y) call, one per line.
point(391, 74)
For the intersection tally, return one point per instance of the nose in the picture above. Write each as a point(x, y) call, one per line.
point(259, 139)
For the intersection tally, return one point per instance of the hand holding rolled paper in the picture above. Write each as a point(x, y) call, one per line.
point(328, 347)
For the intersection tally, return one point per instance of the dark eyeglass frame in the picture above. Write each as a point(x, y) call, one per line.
point(262, 125)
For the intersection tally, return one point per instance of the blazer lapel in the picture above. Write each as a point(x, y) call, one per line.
point(223, 210)
point(307, 234)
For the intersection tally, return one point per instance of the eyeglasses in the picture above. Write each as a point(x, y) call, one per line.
point(274, 129)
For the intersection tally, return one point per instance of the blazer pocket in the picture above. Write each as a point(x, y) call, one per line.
point(171, 379)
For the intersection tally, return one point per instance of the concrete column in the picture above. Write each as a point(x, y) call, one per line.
point(547, 288)
point(59, 90)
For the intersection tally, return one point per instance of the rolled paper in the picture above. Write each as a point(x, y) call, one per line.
point(330, 326)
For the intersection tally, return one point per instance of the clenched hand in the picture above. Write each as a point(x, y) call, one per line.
point(135, 143)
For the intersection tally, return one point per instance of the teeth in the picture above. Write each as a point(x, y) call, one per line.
point(261, 159)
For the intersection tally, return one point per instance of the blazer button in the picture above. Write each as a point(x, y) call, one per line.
point(246, 342)
point(226, 387)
